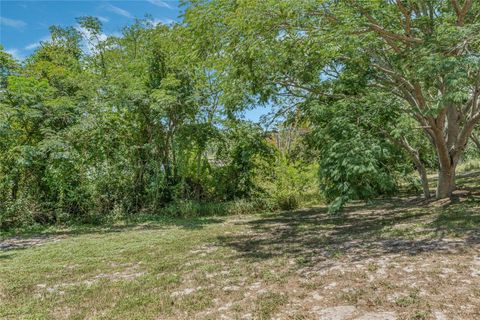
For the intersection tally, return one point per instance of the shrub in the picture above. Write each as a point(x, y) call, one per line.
point(18, 213)
point(290, 185)
point(289, 201)
point(190, 209)
point(472, 164)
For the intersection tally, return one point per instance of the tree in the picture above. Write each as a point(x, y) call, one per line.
point(426, 53)
point(360, 158)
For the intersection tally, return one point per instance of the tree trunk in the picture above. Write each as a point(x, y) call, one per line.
point(446, 182)
point(415, 156)
point(422, 173)
point(15, 189)
point(476, 141)
point(448, 152)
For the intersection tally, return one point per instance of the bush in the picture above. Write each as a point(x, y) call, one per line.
point(190, 209)
point(355, 169)
point(290, 185)
point(288, 201)
point(472, 164)
point(17, 214)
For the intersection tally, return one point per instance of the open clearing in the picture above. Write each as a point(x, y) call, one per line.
point(393, 259)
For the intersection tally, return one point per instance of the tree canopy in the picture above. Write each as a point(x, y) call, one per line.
point(364, 92)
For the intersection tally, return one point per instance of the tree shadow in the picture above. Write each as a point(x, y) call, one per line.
point(34, 237)
point(313, 237)
point(5, 256)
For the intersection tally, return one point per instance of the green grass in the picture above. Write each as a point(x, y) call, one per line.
point(469, 165)
point(170, 268)
point(119, 273)
point(126, 223)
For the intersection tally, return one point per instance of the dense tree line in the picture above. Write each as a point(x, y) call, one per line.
point(92, 125)
point(362, 94)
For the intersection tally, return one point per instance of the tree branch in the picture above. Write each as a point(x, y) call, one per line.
point(406, 15)
point(461, 12)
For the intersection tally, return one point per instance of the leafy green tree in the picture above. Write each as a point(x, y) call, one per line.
point(242, 154)
point(356, 162)
point(423, 52)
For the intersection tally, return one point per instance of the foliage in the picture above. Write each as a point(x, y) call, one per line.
point(290, 185)
point(355, 163)
point(422, 54)
point(118, 126)
point(191, 209)
point(95, 126)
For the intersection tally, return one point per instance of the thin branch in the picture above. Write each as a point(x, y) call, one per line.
point(385, 34)
point(406, 15)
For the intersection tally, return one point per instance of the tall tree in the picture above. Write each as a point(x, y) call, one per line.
point(425, 52)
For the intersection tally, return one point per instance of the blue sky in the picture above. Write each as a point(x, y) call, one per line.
point(23, 24)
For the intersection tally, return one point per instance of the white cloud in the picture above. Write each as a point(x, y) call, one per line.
point(166, 21)
point(90, 45)
point(35, 45)
point(12, 23)
point(15, 53)
point(103, 19)
point(86, 33)
point(160, 3)
point(117, 10)
point(32, 46)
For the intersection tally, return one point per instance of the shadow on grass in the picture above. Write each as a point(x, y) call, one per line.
point(5, 256)
point(362, 232)
point(35, 236)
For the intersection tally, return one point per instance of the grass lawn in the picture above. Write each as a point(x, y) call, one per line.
point(392, 259)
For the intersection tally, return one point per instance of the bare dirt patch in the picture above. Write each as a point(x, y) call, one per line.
point(128, 274)
point(23, 243)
